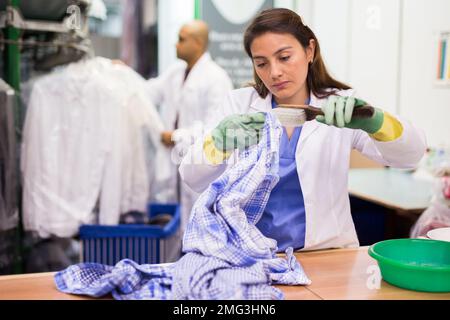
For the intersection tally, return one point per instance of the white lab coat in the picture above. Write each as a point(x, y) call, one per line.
point(322, 158)
point(193, 100)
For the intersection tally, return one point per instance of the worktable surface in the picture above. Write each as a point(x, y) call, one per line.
point(335, 274)
point(391, 188)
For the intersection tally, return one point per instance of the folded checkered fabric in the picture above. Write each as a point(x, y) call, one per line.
point(226, 256)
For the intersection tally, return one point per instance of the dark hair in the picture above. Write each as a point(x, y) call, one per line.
point(281, 20)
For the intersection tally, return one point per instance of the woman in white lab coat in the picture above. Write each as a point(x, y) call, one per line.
point(309, 208)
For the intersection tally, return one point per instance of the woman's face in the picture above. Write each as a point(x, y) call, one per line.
point(281, 63)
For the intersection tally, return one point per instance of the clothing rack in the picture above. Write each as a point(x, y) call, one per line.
point(13, 17)
point(13, 27)
point(67, 30)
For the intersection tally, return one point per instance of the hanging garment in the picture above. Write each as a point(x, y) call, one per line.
point(87, 133)
point(226, 256)
point(139, 140)
point(8, 167)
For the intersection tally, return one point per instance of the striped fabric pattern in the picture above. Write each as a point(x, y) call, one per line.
point(226, 256)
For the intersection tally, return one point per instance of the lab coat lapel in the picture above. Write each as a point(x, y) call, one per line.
point(179, 94)
point(261, 105)
point(188, 103)
point(310, 126)
point(196, 72)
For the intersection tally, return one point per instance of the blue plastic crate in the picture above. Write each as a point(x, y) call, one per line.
point(142, 243)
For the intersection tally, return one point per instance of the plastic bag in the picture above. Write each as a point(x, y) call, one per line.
point(437, 215)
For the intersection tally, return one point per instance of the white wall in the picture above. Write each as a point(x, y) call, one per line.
point(290, 4)
point(351, 34)
point(387, 51)
point(172, 14)
point(374, 51)
point(420, 99)
point(331, 25)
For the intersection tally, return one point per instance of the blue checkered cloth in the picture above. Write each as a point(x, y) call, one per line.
point(226, 256)
point(127, 280)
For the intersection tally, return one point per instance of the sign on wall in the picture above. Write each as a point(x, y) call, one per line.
point(227, 21)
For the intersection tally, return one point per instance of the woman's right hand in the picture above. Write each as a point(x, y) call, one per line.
point(238, 131)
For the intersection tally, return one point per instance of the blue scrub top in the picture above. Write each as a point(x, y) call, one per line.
point(284, 216)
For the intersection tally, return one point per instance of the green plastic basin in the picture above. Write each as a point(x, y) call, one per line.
point(414, 264)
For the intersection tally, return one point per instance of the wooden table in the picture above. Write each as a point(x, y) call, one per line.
point(32, 286)
point(335, 274)
point(344, 274)
point(401, 195)
point(391, 188)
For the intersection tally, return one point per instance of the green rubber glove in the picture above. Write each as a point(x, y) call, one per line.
point(338, 112)
point(238, 131)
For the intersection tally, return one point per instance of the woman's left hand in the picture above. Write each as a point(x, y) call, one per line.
point(338, 112)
